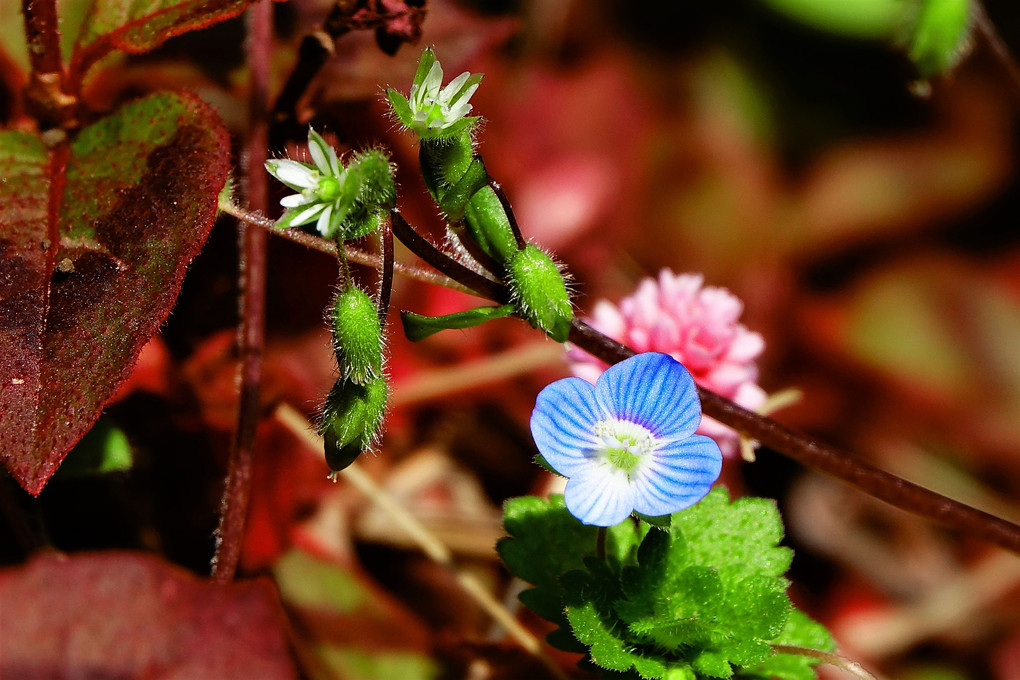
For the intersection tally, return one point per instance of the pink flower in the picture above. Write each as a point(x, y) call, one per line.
point(695, 324)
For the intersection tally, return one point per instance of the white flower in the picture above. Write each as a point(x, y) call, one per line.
point(432, 110)
point(322, 198)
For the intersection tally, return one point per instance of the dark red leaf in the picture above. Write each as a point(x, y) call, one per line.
point(139, 27)
point(128, 615)
point(95, 236)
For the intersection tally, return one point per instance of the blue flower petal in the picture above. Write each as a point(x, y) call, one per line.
point(599, 495)
point(678, 476)
point(653, 390)
point(563, 424)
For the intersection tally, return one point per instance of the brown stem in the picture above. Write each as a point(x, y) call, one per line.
point(234, 505)
point(42, 35)
point(826, 459)
point(986, 29)
point(509, 210)
point(46, 95)
point(386, 274)
point(424, 249)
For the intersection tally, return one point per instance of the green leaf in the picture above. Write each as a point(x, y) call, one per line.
point(705, 599)
point(545, 542)
point(939, 35)
point(103, 449)
point(137, 27)
point(418, 326)
point(97, 234)
point(800, 631)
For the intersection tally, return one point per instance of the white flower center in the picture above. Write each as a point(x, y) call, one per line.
point(624, 445)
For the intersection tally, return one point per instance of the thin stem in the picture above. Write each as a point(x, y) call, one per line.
point(600, 543)
point(835, 660)
point(386, 276)
point(509, 210)
point(471, 247)
point(42, 35)
point(827, 459)
point(46, 95)
point(424, 249)
point(427, 542)
point(986, 29)
point(329, 247)
point(252, 265)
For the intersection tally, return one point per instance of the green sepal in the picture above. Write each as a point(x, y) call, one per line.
point(418, 326)
point(425, 61)
point(938, 37)
point(357, 336)
point(461, 126)
point(400, 106)
point(539, 292)
point(661, 522)
point(351, 420)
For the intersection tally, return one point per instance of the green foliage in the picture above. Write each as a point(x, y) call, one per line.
point(351, 419)
point(539, 292)
point(938, 35)
point(705, 599)
point(357, 336)
point(418, 326)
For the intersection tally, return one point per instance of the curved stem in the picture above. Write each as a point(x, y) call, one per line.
point(509, 210)
point(424, 249)
point(329, 248)
point(835, 660)
point(894, 490)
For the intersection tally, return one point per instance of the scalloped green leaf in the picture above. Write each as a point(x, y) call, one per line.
point(95, 237)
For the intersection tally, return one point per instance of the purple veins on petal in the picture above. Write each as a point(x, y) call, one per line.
point(627, 442)
point(654, 390)
point(563, 423)
point(599, 497)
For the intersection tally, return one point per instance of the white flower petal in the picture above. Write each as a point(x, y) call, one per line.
point(307, 215)
point(294, 174)
point(599, 495)
point(322, 226)
point(295, 200)
point(320, 151)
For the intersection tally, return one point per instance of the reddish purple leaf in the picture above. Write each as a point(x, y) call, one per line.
point(139, 27)
point(95, 237)
point(129, 615)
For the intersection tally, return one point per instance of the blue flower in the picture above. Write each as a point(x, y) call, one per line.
point(627, 443)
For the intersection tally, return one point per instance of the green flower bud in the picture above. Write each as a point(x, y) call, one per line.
point(458, 182)
point(938, 36)
point(539, 292)
point(351, 420)
point(357, 336)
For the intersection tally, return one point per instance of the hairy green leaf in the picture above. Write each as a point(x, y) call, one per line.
point(95, 237)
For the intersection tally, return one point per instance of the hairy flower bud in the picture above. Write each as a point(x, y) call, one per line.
point(357, 336)
point(539, 292)
point(351, 419)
